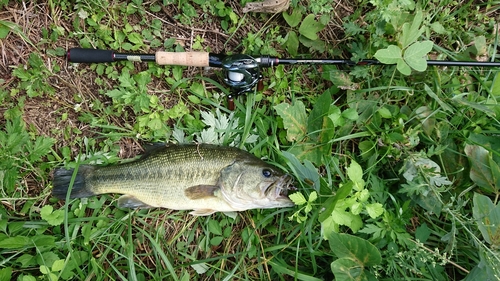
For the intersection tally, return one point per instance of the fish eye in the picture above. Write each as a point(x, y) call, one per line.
point(267, 173)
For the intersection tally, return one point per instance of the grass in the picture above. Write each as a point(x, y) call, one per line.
point(397, 174)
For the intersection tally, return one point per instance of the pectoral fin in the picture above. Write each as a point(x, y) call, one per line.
point(129, 201)
point(202, 212)
point(201, 191)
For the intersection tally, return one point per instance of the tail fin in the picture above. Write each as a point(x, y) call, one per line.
point(62, 180)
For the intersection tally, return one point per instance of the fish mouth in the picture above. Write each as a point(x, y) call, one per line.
point(278, 190)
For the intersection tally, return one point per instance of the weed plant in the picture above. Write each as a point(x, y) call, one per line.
point(397, 166)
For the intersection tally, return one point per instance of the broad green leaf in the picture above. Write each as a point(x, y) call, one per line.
point(317, 45)
point(438, 28)
point(491, 143)
point(15, 242)
point(348, 219)
point(142, 78)
point(294, 19)
point(481, 170)
point(384, 112)
point(294, 119)
point(306, 172)
point(329, 205)
point(411, 33)
point(346, 269)
point(28, 278)
point(389, 55)
point(336, 116)
point(58, 265)
point(52, 217)
point(135, 38)
point(487, 217)
point(495, 172)
point(6, 274)
point(298, 198)
point(44, 241)
point(354, 248)
point(414, 56)
point(47, 258)
point(26, 260)
point(194, 99)
point(310, 151)
point(312, 197)
point(319, 126)
point(487, 267)
point(374, 210)
point(310, 27)
point(177, 72)
point(327, 226)
point(363, 195)
point(495, 87)
point(350, 114)
point(198, 89)
point(355, 173)
point(215, 241)
point(403, 67)
point(3, 221)
point(214, 227)
point(422, 233)
point(356, 208)
point(480, 272)
point(44, 269)
point(292, 43)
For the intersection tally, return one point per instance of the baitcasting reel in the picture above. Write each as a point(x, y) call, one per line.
point(242, 72)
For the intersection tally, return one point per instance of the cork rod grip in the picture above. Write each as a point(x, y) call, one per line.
point(186, 59)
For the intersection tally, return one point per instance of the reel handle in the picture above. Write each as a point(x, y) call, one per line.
point(83, 55)
point(199, 59)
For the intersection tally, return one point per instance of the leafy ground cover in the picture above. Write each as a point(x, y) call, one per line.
point(398, 166)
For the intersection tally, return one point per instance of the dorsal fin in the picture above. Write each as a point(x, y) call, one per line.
point(150, 148)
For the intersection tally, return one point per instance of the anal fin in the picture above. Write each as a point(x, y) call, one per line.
point(129, 201)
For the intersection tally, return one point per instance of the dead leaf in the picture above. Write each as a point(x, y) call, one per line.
point(267, 6)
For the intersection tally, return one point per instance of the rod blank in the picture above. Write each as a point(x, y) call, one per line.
point(202, 59)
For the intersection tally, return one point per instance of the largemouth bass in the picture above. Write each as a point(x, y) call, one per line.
point(203, 178)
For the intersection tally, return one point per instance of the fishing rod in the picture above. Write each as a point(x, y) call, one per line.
point(241, 72)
